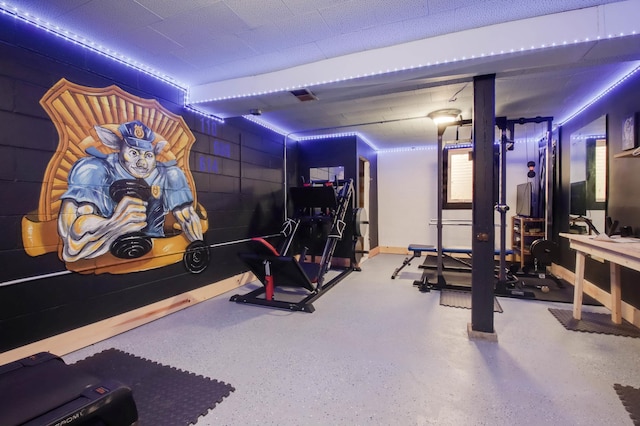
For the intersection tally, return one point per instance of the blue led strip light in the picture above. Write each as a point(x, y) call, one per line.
point(618, 81)
point(68, 36)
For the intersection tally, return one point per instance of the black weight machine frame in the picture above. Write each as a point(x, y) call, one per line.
point(319, 202)
point(542, 249)
point(506, 279)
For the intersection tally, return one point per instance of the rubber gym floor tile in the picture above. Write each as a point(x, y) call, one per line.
point(594, 322)
point(164, 395)
point(462, 299)
point(630, 398)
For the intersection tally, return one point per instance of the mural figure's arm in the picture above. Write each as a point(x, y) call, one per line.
point(189, 222)
point(85, 234)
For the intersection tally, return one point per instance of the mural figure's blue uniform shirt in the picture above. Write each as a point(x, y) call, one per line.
point(90, 178)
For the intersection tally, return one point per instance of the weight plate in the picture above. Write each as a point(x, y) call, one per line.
point(131, 246)
point(361, 222)
point(544, 250)
point(196, 257)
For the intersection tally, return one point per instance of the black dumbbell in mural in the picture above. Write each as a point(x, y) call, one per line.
point(196, 257)
point(136, 244)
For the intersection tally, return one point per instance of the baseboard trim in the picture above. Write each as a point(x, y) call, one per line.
point(392, 250)
point(79, 338)
point(374, 252)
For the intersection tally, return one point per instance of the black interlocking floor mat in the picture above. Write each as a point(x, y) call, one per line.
point(630, 398)
point(462, 299)
point(163, 395)
point(559, 290)
point(594, 322)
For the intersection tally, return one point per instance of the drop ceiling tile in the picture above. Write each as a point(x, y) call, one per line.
point(340, 45)
point(257, 13)
point(439, 6)
point(429, 26)
point(147, 41)
point(299, 7)
point(307, 27)
point(216, 52)
point(200, 24)
point(348, 17)
point(288, 32)
point(48, 10)
point(268, 38)
point(98, 21)
point(168, 8)
point(387, 11)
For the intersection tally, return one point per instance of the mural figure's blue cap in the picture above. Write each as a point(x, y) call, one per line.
point(137, 135)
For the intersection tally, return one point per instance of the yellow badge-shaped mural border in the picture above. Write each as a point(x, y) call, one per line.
point(75, 110)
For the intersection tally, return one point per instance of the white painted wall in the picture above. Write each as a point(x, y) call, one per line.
point(408, 191)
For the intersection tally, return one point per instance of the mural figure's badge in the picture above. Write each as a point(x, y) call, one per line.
point(138, 132)
point(156, 191)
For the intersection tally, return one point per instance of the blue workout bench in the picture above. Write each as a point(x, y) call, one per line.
point(418, 249)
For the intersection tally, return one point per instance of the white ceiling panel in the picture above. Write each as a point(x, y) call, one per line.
point(202, 24)
point(228, 49)
point(105, 19)
point(258, 13)
point(288, 32)
point(348, 17)
point(168, 8)
point(387, 11)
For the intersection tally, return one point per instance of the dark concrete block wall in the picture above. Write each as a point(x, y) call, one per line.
point(237, 167)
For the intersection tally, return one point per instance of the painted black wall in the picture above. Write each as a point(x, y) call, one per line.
point(237, 167)
point(623, 192)
point(343, 151)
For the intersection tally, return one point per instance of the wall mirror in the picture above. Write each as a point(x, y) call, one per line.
point(588, 177)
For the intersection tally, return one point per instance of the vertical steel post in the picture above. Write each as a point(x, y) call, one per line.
point(440, 276)
point(483, 280)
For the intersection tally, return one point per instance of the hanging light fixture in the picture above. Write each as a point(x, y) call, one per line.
point(444, 116)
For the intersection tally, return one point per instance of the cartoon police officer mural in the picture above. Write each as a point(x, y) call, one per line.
point(118, 201)
point(128, 202)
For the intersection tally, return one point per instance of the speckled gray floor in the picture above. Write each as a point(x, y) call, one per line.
point(379, 352)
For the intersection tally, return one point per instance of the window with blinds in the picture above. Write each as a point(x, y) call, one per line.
point(458, 179)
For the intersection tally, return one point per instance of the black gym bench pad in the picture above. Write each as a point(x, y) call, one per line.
point(418, 249)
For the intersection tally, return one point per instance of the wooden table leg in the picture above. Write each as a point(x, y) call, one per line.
point(578, 285)
point(616, 311)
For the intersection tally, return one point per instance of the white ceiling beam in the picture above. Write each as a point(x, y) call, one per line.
point(532, 34)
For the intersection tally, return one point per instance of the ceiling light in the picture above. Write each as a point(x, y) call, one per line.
point(444, 116)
